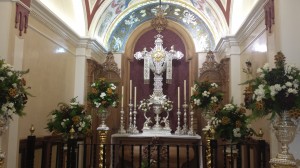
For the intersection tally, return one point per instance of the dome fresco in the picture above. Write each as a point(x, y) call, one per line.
point(120, 18)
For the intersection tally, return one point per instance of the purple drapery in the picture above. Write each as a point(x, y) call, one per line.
point(180, 73)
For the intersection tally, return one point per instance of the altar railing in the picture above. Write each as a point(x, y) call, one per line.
point(52, 152)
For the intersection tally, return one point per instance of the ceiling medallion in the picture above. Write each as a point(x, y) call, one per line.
point(159, 23)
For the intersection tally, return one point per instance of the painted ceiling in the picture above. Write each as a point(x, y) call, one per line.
point(206, 20)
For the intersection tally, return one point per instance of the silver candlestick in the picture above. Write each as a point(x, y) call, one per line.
point(191, 131)
point(130, 128)
point(122, 130)
point(178, 129)
point(184, 127)
point(134, 128)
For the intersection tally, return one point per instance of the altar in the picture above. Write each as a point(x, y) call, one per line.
point(133, 150)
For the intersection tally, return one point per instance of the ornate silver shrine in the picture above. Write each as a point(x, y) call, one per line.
point(158, 60)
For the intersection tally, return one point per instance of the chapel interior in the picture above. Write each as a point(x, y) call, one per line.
point(69, 44)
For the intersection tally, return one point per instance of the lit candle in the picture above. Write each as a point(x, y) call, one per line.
point(130, 90)
point(122, 96)
point(184, 90)
point(135, 96)
point(178, 97)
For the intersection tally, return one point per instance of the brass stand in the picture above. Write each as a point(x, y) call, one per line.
point(209, 136)
point(102, 139)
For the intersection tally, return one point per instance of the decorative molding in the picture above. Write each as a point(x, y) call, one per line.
point(110, 64)
point(41, 13)
point(91, 13)
point(22, 15)
point(269, 15)
point(225, 9)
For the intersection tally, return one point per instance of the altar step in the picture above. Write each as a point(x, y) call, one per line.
point(52, 152)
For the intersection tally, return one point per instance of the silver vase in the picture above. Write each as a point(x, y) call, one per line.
point(285, 130)
point(103, 114)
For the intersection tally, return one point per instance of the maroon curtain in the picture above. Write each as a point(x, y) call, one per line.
point(180, 73)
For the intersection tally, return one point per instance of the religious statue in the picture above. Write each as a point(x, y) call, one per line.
point(158, 60)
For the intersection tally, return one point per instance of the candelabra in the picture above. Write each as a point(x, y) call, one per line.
point(130, 128)
point(191, 131)
point(122, 130)
point(184, 127)
point(178, 130)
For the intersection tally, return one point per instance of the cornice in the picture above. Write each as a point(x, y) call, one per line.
point(48, 18)
point(256, 16)
point(253, 20)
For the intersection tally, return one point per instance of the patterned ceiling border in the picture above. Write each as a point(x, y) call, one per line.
point(202, 36)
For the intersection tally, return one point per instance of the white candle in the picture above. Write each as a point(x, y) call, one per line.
point(135, 96)
point(130, 90)
point(122, 96)
point(178, 91)
point(184, 90)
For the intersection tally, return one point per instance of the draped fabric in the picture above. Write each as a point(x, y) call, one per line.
point(180, 72)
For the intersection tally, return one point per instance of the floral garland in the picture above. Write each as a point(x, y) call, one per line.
point(205, 95)
point(167, 105)
point(13, 94)
point(275, 90)
point(68, 116)
point(103, 94)
point(231, 123)
point(145, 105)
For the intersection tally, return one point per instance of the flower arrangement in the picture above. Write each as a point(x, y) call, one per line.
point(68, 116)
point(231, 123)
point(205, 95)
point(13, 94)
point(103, 94)
point(167, 105)
point(275, 90)
point(145, 105)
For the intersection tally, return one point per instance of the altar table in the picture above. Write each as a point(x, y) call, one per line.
point(180, 149)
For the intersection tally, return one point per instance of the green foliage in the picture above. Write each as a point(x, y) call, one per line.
point(68, 115)
point(231, 123)
point(13, 91)
point(275, 89)
point(205, 95)
point(103, 94)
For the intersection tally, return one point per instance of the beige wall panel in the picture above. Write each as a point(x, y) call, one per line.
point(256, 52)
point(51, 79)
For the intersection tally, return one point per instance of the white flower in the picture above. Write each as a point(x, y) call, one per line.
point(228, 107)
point(62, 124)
point(4, 108)
point(214, 99)
point(288, 84)
point(2, 78)
point(9, 73)
point(214, 85)
point(97, 104)
point(259, 70)
point(266, 67)
point(114, 104)
point(237, 133)
point(14, 85)
point(206, 93)
point(53, 117)
point(277, 87)
point(112, 86)
point(79, 128)
point(102, 95)
point(197, 102)
point(93, 85)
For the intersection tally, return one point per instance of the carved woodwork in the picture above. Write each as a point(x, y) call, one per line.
point(213, 71)
point(269, 15)
point(22, 15)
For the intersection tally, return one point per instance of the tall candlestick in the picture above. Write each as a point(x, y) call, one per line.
point(122, 96)
point(135, 96)
point(130, 90)
point(178, 90)
point(184, 90)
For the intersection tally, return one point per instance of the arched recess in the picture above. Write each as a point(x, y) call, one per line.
point(190, 53)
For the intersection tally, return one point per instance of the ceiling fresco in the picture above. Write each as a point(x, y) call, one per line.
point(199, 17)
